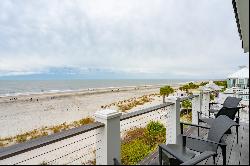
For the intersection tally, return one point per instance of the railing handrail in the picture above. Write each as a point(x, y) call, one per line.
point(243, 94)
point(16, 149)
point(144, 111)
point(188, 97)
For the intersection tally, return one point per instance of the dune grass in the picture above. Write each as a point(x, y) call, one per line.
point(126, 105)
point(44, 131)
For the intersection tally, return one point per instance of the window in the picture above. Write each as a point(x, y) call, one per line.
point(241, 81)
point(234, 82)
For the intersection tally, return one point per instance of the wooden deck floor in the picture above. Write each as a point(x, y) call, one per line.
point(237, 154)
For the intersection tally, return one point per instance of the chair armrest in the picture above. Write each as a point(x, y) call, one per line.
point(199, 158)
point(204, 114)
point(238, 108)
point(212, 103)
point(189, 124)
point(208, 141)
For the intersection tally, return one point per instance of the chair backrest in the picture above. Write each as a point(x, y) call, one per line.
point(219, 127)
point(229, 112)
point(231, 102)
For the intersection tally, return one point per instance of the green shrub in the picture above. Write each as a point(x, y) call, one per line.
point(212, 96)
point(21, 138)
point(221, 83)
point(190, 85)
point(155, 134)
point(155, 128)
point(134, 152)
point(139, 142)
point(203, 83)
point(186, 104)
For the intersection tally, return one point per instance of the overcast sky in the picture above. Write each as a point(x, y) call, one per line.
point(119, 39)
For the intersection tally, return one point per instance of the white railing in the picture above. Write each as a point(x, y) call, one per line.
point(100, 142)
point(154, 114)
point(75, 146)
point(116, 124)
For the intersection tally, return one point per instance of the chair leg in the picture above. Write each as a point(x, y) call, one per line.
point(224, 154)
point(237, 133)
point(160, 155)
point(214, 159)
point(198, 124)
point(237, 129)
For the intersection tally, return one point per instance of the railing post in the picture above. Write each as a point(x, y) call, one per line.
point(205, 102)
point(173, 121)
point(196, 106)
point(108, 144)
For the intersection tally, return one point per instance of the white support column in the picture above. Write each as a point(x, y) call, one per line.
point(173, 121)
point(110, 145)
point(196, 106)
point(205, 102)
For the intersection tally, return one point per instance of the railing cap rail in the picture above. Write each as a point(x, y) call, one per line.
point(188, 97)
point(144, 111)
point(16, 149)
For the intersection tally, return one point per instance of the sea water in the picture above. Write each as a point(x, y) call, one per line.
point(22, 87)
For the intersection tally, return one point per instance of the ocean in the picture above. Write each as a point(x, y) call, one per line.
point(25, 87)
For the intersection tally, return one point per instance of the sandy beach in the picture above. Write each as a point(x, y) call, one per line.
point(20, 114)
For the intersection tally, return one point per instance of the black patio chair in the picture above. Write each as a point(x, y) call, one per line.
point(229, 112)
point(230, 102)
point(193, 161)
point(204, 146)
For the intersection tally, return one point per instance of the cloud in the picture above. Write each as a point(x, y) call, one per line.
point(197, 39)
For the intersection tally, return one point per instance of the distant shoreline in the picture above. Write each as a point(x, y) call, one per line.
point(80, 92)
point(26, 88)
point(26, 96)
